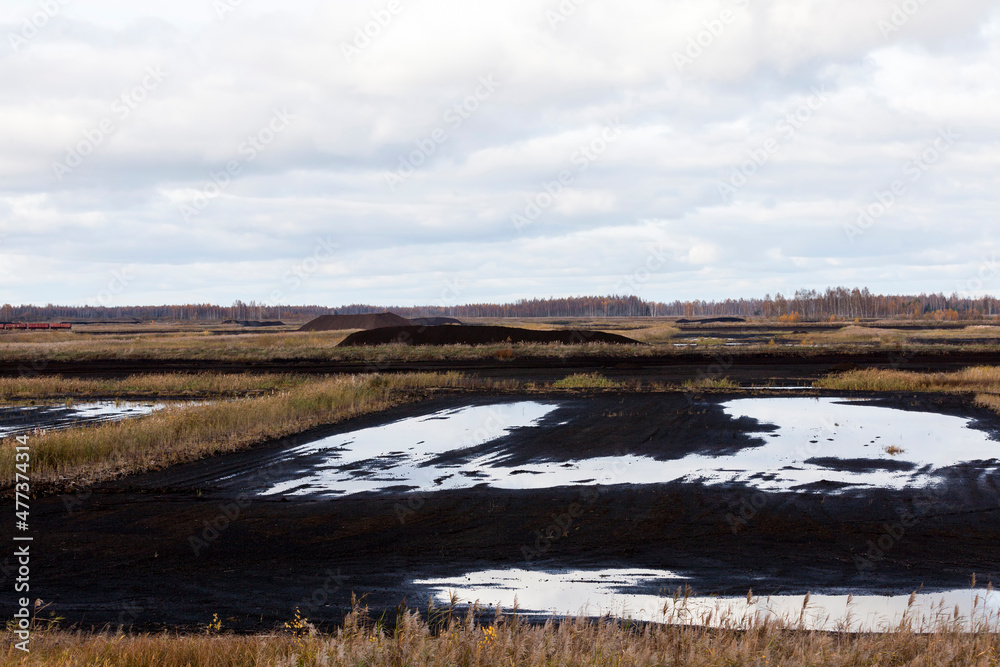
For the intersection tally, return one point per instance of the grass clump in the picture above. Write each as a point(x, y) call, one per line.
point(702, 384)
point(177, 434)
point(586, 381)
point(984, 379)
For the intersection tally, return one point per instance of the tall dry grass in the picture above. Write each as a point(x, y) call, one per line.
point(586, 381)
point(147, 385)
point(185, 433)
point(708, 383)
point(510, 641)
point(984, 379)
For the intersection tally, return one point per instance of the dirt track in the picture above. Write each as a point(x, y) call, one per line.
point(124, 553)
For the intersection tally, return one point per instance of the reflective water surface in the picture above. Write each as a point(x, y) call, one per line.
point(835, 442)
point(17, 420)
point(651, 595)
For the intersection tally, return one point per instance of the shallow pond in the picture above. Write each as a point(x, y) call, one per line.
point(20, 419)
point(800, 441)
point(649, 595)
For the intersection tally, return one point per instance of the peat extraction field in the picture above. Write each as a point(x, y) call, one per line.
point(717, 495)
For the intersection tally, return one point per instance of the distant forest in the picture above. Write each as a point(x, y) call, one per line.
point(835, 303)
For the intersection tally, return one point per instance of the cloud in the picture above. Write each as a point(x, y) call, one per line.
point(408, 92)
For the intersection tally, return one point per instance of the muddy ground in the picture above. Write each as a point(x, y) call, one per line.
point(784, 367)
point(173, 548)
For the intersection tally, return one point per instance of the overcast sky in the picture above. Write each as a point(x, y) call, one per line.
point(440, 152)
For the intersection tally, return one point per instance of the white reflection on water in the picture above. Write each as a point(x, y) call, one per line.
point(394, 454)
point(600, 592)
point(815, 440)
point(17, 420)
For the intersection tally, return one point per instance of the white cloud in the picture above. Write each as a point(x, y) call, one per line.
point(683, 134)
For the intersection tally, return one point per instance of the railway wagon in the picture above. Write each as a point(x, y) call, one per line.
point(38, 325)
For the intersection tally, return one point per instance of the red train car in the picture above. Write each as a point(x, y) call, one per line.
point(15, 325)
point(60, 326)
point(38, 325)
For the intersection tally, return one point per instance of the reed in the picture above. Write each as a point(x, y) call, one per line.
point(455, 639)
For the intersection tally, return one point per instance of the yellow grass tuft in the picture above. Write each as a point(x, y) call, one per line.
point(722, 384)
point(586, 381)
point(984, 379)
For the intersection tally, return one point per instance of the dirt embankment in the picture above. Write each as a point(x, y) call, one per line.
point(477, 335)
point(343, 322)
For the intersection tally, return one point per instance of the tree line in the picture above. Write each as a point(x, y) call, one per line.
point(805, 305)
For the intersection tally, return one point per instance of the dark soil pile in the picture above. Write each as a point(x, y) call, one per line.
point(476, 335)
point(711, 320)
point(434, 321)
point(341, 322)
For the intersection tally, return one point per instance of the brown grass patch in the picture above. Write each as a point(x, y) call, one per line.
point(977, 378)
point(456, 640)
point(177, 434)
point(147, 386)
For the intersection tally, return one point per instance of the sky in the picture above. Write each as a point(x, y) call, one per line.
point(436, 152)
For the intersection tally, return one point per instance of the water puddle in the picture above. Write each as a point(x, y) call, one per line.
point(21, 419)
point(397, 454)
point(848, 443)
point(650, 595)
point(823, 442)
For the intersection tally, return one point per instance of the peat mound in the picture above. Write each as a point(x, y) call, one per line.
point(434, 321)
point(368, 321)
point(476, 335)
point(711, 320)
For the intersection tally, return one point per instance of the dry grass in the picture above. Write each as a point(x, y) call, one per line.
point(189, 344)
point(988, 401)
point(586, 381)
point(654, 334)
point(184, 433)
point(509, 641)
point(721, 384)
point(173, 385)
point(34, 350)
point(985, 379)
